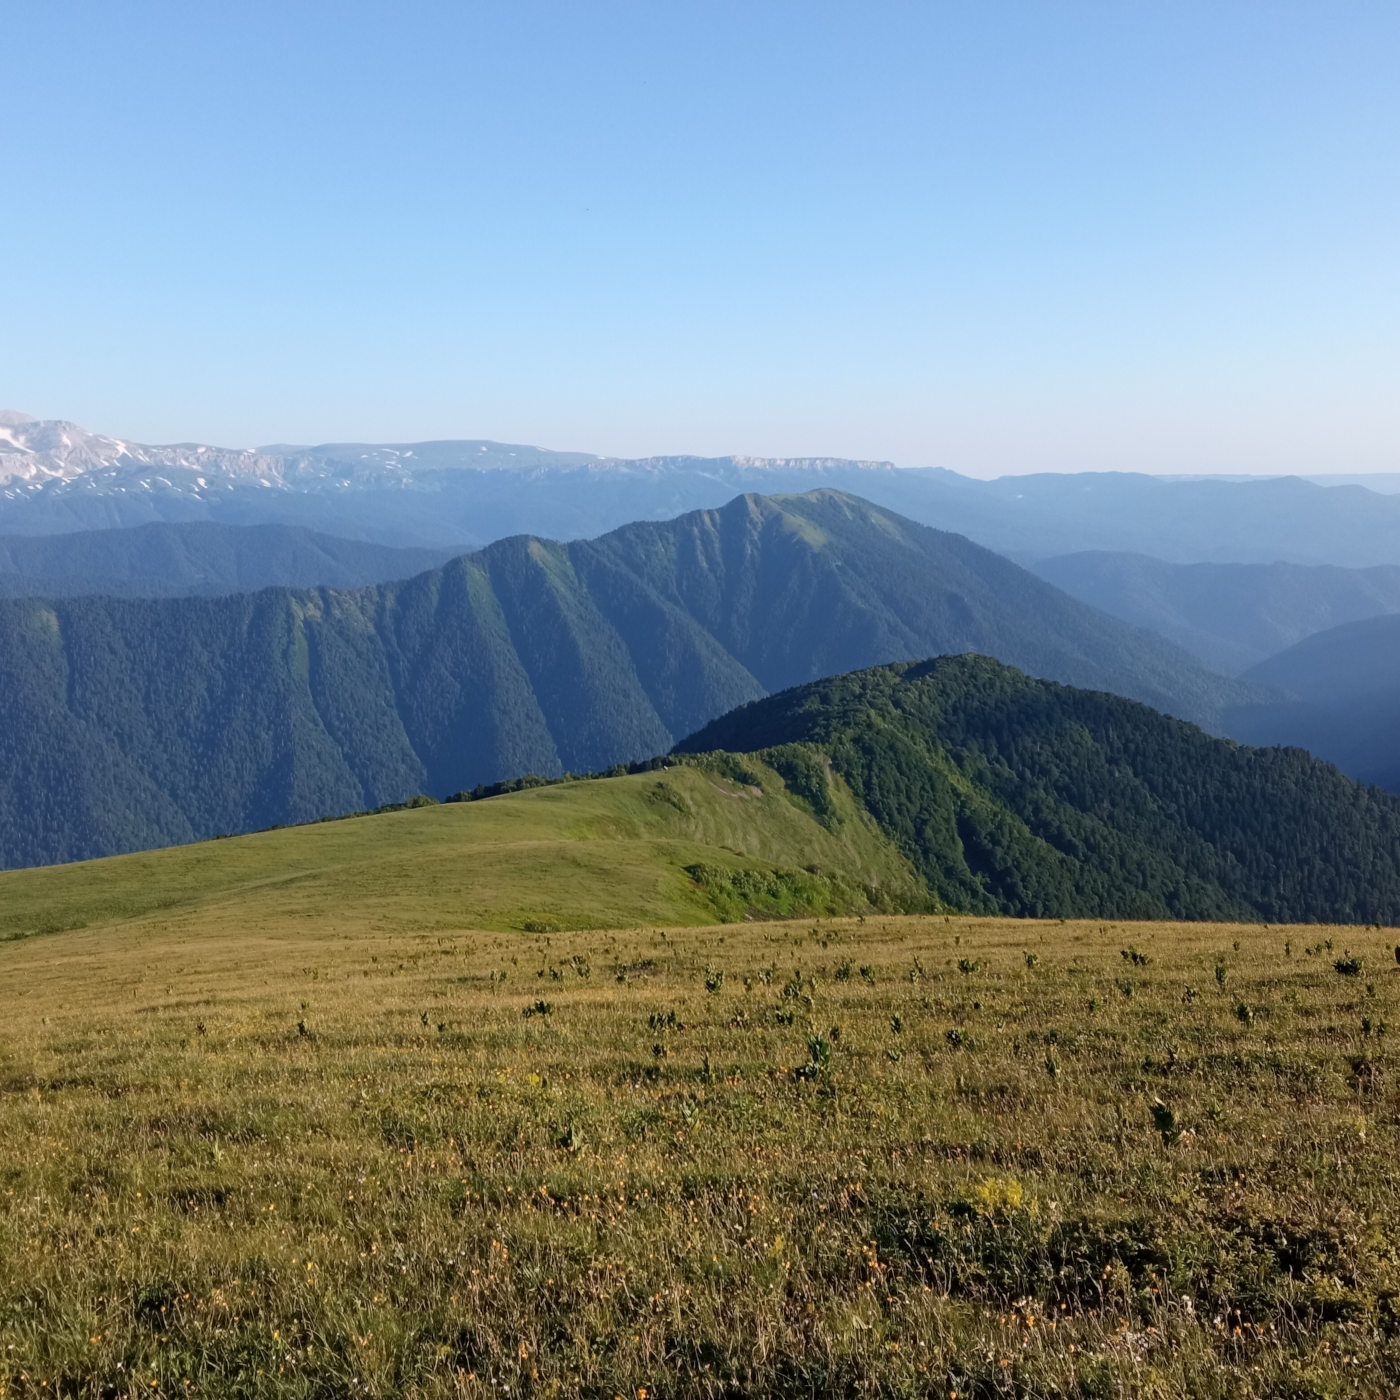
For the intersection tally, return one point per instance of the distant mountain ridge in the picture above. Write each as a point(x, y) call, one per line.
point(133, 723)
point(32, 450)
point(1341, 692)
point(1231, 616)
point(55, 477)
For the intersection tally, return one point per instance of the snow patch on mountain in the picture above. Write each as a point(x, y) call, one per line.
point(54, 456)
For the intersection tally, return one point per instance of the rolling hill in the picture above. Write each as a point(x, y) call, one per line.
point(434, 1104)
point(1231, 616)
point(136, 723)
point(585, 854)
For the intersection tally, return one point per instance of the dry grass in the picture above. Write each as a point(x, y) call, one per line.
point(298, 1162)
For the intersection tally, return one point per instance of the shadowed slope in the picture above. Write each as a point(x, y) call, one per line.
point(1231, 616)
point(1343, 689)
point(167, 559)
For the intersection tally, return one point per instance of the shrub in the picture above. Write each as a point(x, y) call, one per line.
point(1167, 1123)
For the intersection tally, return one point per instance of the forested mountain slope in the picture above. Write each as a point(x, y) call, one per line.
point(1231, 616)
point(1343, 663)
point(137, 723)
point(796, 587)
point(1017, 796)
point(162, 560)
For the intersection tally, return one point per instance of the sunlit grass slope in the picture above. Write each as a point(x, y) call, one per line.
point(273, 1143)
point(600, 853)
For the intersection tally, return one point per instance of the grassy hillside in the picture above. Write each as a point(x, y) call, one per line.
point(243, 1154)
point(135, 723)
point(1017, 796)
point(685, 845)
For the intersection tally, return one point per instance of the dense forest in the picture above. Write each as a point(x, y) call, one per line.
point(1017, 796)
point(133, 723)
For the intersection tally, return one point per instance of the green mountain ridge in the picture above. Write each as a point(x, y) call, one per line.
point(1016, 796)
point(136, 723)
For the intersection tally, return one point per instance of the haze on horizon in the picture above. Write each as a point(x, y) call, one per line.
point(993, 238)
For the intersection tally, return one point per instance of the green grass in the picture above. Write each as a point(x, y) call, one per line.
point(273, 1124)
point(598, 853)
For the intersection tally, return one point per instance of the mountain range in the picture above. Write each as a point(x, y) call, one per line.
point(56, 477)
point(140, 722)
point(206, 662)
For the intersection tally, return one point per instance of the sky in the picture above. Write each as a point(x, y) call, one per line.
point(991, 236)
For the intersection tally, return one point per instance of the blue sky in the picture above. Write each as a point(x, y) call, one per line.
point(996, 237)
